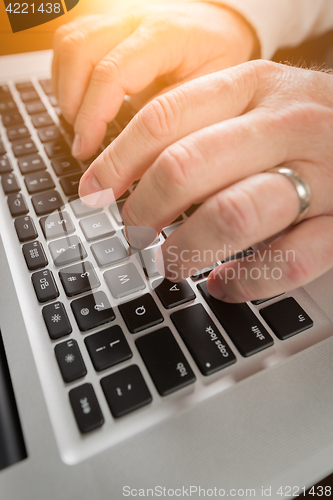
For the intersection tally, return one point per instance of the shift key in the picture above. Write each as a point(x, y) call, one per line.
point(240, 323)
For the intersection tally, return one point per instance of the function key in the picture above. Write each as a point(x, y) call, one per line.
point(41, 120)
point(207, 346)
point(79, 278)
point(110, 251)
point(70, 184)
point(70, 360)
point(38, 181)
point(80, 209)
point(57, 224)
point(11, 119)
point(108, 348)
point(125, 391)
point(17, 204)
point(261, 301)
point(141, 313)
point(165, 361)
point(67, 250)
point(240, 323)
point(45, 286)
point(56, 320)
point(97, 226)
point(48, 133)
point(45, 203)
point(286, 318)
point(34, 255)
point(29, 95)
point(24, 147)
point(7, 106)
point(86, 408)
point(66, 165)
point(92, 310)
point(18, 132)
point(24, 86)
point(174, 294)
point(56, 148)
point(31, 163)
point(25, 229)
point(10, 184)
point(35, 107)
point(5, 166)
point(124, 280)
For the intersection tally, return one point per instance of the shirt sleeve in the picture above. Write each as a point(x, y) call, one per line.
point(283, 23)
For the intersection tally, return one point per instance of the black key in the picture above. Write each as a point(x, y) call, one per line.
point(192, 209)
point(17, 204)
point(18, 132)
point(24, 147)
point(286, 318)
point(70, 360)
point(11, 119)
point(67, 250)
point(45, 286)
point(7, 106)
point(45, 203)
point(50, 133)
point(109, 251)
point(66, 165)
point(240, 323)
point(2, 148)
point(125, 391)
point(80, 209)
point(165, 361)
point(97, 226)
point(203, 273)
point(29, 95)
point(5, 93)
point(56, 320)
point(124, 196)
point(57, 224)
point(41, 120)
point(25, 229)
point(202, 338)
point(53, 100)
point(108, 348)
point(35, 107)
point(34, 255)
point(174, 294)
point(92, 310)
point(5, 166)
point(38, 181)
point(141, 313)
point(10, 184)
point(31, 163)
point(46, 85)
point(65, 125)
point(261, 301)
point(56, 148)
point(24, 86)
point(86, 408)
point(78, 279)
point(70, 184)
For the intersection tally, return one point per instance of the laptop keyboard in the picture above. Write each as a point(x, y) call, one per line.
point(122, 337)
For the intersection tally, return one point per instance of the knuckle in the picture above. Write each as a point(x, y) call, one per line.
point(72, 44)
point(106, 71)
point(172, 170)
point(118, 172)
point(158, 118)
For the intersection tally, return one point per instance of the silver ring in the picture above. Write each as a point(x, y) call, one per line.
point(302, 188)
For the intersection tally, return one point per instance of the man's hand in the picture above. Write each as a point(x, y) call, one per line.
point(99, 59)
point(211, 140)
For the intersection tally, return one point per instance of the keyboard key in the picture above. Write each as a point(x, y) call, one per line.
point(86, 408)
point(79, 278)
point(110, 251)
point(56, 148)
point(17, 204)
point(2, 148)
point(25, 229)
point(108, 348)
point(261, 301)
point(56, 320)
point(141, 313)
point(125, 391)
point(7, 106)
point(124, 280)
point(5, 93)
point(45, 203)
point(29, 95)
point(45, 286)
point(24, 86)
point(147, 258)
point(10, 184)
point(11, 119)
point(66, 165)
point(5, 166)
point(70, 360)
point(34, 255)
point(97, 226)
point(24, 147)
point(41, 120)
point(174, 294)
point(92, 310)
point(57, 224)
point(165, 361)
point(80, 209)
point(67, 250)
point(65, 125)
point(240, 323)
point(18, 132)
point(203, 273)
point(202, 338)
point(38, 181)
point(31, 163)
point(70, 184)
point(46, 85)
point(50, 133)
point(35, 107)
point(286, 318)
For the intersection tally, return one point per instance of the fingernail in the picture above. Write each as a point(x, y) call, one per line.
point(140, 237)
point(77, 145)
point(90, 189)
point(215, 288)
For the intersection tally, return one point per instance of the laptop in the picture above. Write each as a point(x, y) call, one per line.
point(116, 383)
